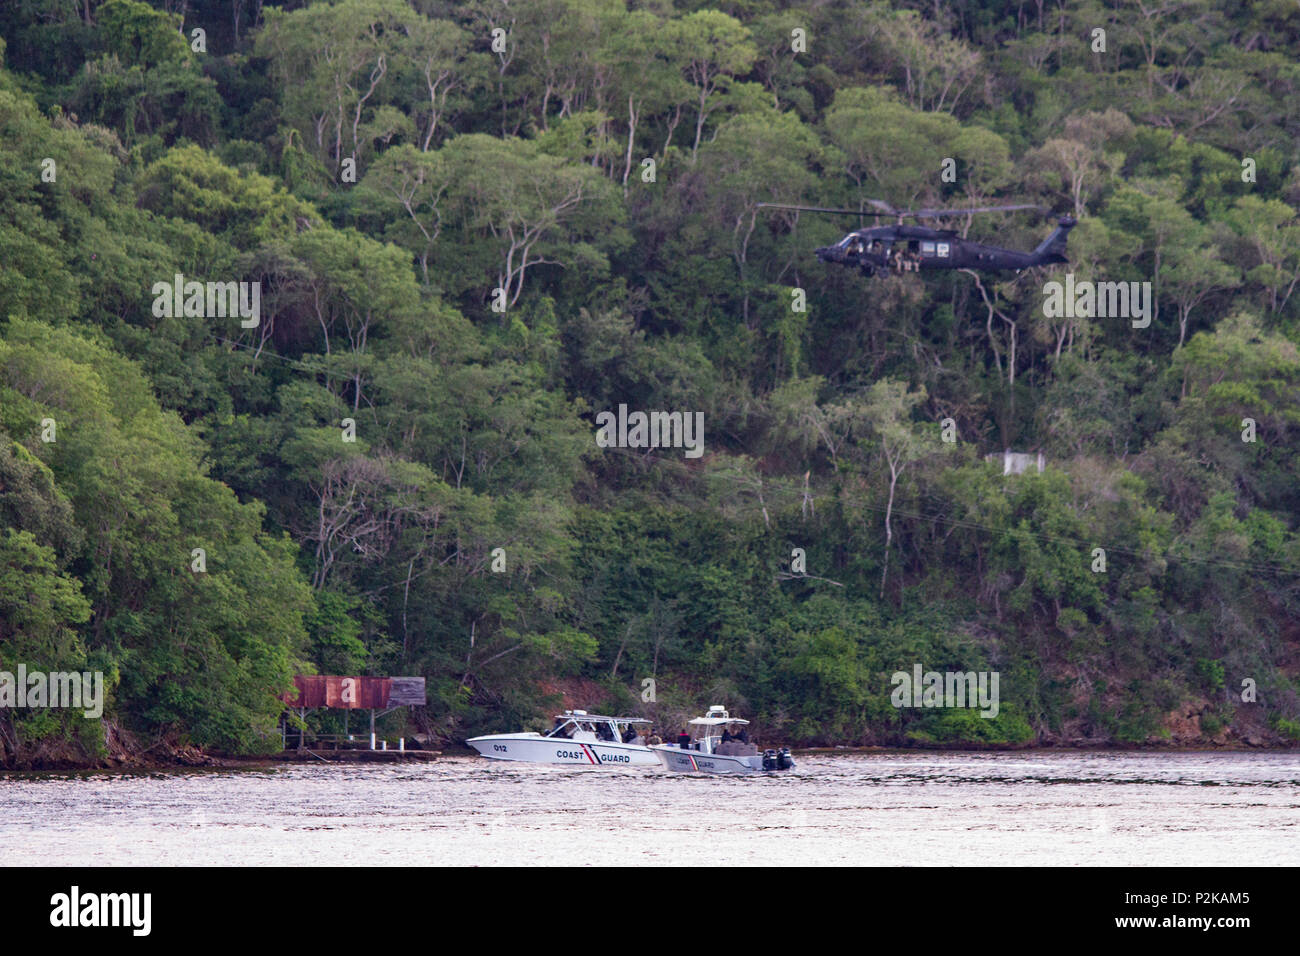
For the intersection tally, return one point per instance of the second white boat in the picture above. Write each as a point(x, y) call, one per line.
point(718, 743)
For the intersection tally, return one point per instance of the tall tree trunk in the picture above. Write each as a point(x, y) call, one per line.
point(889, 531)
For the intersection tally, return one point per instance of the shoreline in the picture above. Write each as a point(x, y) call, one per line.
point(196, 760)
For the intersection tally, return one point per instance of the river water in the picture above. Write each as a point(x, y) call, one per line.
point(833, 808)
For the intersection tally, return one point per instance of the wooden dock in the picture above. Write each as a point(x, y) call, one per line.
point(357, 755)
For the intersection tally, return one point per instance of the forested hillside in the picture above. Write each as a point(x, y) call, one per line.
point(476, 226)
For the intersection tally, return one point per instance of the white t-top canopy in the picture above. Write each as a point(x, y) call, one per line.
point(717, 715)
point(583, 715)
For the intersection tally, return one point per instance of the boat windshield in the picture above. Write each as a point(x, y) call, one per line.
point(593, 727)
point(568, 726)
point(581, 729)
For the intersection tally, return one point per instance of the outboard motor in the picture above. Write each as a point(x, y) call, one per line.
point(785, 761)
point(770, 760)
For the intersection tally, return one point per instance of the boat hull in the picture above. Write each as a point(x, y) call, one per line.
point(692, 761)
point(534, 748)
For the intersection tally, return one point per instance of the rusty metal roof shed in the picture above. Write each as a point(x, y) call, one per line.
point(355, 693)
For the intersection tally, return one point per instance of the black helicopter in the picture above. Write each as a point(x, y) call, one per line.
point(903, 248)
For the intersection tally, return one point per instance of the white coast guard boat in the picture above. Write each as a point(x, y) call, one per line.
point(577, 738)
point(706, 750)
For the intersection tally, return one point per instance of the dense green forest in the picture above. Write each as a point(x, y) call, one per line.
point(478, 225)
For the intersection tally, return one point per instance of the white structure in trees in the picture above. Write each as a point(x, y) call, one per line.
point(1017, 462)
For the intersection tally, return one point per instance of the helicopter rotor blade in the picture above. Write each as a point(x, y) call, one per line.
point(889, 212)
point(938, 213)
point(824, 209)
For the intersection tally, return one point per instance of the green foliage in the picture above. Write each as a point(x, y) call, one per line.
point(141, 35)
point(201, 655)
point(1211, 672)
point(600, 176)
point(957, 726)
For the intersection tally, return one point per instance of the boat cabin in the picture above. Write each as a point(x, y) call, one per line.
point(583, 727)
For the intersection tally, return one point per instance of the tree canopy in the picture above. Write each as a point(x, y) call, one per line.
point(474, 226)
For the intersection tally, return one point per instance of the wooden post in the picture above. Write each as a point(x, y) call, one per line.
point(372, 728)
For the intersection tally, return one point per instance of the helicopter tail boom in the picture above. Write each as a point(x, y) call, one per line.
point(1052, 249)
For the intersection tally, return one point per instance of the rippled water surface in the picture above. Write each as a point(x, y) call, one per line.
point(911, 809)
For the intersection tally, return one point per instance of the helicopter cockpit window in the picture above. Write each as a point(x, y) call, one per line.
point(927, 248)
